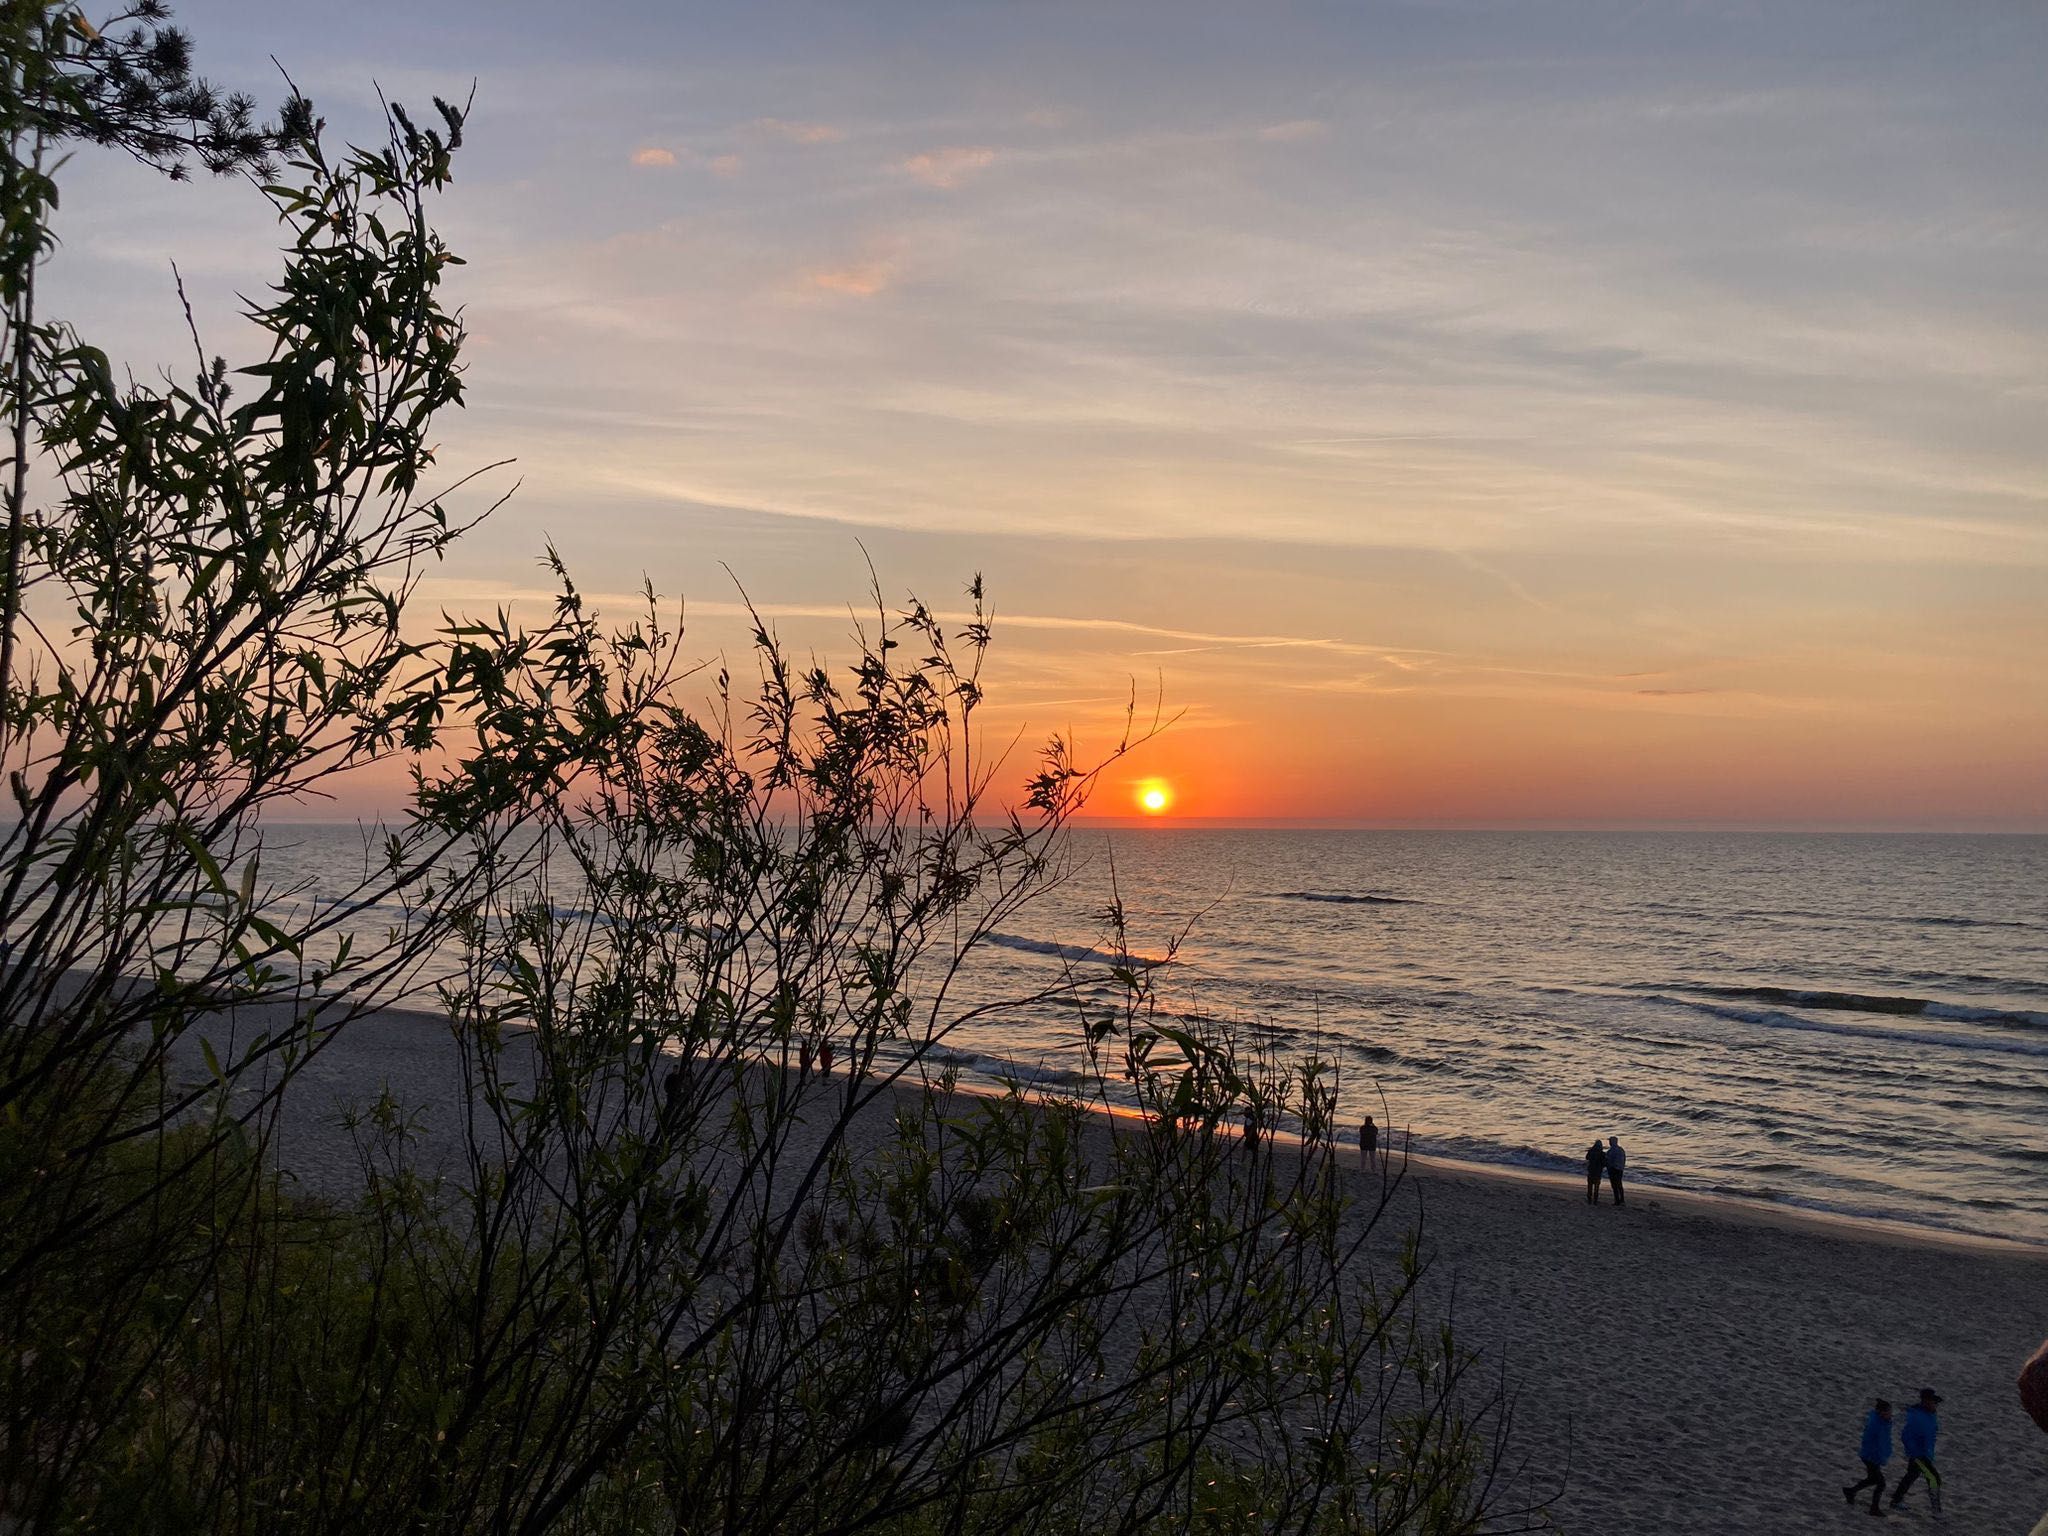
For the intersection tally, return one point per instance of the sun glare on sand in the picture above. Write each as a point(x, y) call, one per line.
point(1154, 797)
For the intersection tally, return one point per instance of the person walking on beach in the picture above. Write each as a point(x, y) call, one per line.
point(1876, 1451)
point(1368, 1143)
point(1916, 1439)
point(1596, 1164)
point(1617, 1159)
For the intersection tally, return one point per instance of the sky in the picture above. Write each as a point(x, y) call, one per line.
point(1449, 414)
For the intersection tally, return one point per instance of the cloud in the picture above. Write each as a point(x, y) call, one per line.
point(949, 167)
point(655, 156)
point(861, 279)
point(798, 133)
point(454, 589)
point(1298, 131)
point(1211, 640)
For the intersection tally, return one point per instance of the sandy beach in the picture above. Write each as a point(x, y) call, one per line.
point(1684, 1364)
point(1706, 1365)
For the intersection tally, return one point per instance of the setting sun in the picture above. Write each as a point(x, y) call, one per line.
point(1582, 551)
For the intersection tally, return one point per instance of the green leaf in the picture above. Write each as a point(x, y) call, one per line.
point(201, 857)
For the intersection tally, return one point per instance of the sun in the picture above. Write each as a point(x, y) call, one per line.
point(1154, 796)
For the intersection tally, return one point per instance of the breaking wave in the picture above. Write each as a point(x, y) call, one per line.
point(1073, 953)
point(1349, 899)
point(1880, 1002)
point(1771, 1018)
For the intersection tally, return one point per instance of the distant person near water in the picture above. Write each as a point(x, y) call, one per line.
point(1916, 1439)
point(1596, 1165)
point(1617, 1159)
point(1876, 1450)
point(1368, 1143)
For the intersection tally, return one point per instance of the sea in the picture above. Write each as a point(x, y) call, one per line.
point(1847, 1023)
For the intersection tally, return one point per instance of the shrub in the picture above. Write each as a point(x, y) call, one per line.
point(661, 1271)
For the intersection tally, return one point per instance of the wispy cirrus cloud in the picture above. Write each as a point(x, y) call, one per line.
point(949, 167)
point(1207, 639)
point(449, 589)
point(1297, 131)
point(859, 280)
point(797, 132)
point(1674, 377)
point(660, 157)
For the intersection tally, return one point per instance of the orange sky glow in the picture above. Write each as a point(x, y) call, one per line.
point(1616, 419)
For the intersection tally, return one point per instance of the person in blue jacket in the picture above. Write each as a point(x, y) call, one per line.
point(1876, 1451)
point(1916, 1439)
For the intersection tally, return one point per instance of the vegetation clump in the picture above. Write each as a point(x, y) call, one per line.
point(664, 1272)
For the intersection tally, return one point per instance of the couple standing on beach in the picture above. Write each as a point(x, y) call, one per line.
point(1916, 1440)
point(1610, 1160)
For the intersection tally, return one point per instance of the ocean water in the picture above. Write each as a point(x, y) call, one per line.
point(1852, 1023)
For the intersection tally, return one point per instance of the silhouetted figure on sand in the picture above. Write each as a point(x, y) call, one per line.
point(1596, 1165)
point(1617, 1159)
point(1368, 1143)
point(1876, 1450)
point(825, 1055)
point(1916, 1439)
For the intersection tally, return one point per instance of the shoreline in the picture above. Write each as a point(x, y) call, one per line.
point(1734, 1209)
point(1786, 1215)
point(1691, 1363)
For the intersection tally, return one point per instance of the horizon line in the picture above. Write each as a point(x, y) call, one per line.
point(1984, 827)
point(1119, 822)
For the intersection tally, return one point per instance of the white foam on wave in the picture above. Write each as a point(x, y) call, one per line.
point(1970, 1014)
point(1001, 1069)
point(1826, 999)
point(1536, 1159)
point(1772, 1018)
